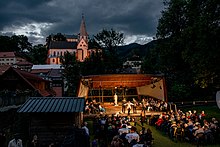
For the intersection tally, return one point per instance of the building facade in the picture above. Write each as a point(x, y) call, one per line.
point(52, 72)
point(9, 58)
point(75, 44)
point(13, 59)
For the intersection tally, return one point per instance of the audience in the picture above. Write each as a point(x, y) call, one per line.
point(191, 126)
point(194, 126)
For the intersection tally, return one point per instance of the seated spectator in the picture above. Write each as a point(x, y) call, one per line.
point(159, 122)
point(124, 129)
point(132, 136)
point(209, 138)
point(87, 109)
point(199, 134)
point(202, 115)
point(101, 109)
point(117, 142)
point(172, 128)
point(178, 132)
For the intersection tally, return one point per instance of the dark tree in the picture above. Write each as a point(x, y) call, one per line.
point(17, 43)
point(109, 40)
point(188, 50)
point(94, 64)
point(38, 54)
point(71, 73)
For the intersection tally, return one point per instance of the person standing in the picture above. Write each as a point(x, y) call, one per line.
point(135, 105)
point(34, 142)
point(129, 104)
point(123, 105)
point(87, 137)
point(143, 105)
point(16, 142)
point(116, 99)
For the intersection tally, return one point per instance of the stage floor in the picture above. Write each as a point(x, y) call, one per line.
point(111, 109)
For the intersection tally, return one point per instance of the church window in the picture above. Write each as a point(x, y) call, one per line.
point(54, 53)
point(53, 60)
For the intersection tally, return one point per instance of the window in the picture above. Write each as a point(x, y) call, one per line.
point(53, 60)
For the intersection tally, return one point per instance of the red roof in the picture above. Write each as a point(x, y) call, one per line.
point(26, 76)
point(37, 71)
point(4, 68)
point(29, 76)
point(24, 63)
point(7, 54)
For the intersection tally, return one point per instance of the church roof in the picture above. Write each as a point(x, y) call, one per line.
point(83, 31)
point(71, 36)
point(62, 45)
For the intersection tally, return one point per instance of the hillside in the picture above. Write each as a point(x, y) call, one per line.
point(128, 51)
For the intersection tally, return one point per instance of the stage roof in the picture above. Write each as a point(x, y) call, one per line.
point(119, 80)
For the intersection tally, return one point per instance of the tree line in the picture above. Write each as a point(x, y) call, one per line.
point(186, 51)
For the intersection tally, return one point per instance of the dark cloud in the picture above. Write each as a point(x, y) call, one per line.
point(133, 17)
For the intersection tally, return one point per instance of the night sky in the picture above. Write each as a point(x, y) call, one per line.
point(37, 19)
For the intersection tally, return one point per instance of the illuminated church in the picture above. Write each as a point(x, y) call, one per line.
point(77, 44)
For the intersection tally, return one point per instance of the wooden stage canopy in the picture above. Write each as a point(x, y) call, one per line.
point(145, 84)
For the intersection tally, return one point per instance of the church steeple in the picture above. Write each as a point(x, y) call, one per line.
point(83, 33)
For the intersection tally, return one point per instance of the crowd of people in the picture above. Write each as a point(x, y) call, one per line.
point(121, 131)
point(190, 126)
point(94, 107)
point(118, 131)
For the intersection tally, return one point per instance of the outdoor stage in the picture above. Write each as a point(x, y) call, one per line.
point(117, 110)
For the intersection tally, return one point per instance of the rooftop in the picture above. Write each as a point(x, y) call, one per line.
point(7, 54)
point(52, 105)
point(47, 66)
point(62, 45)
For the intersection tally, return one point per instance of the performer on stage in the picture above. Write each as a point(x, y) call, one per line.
point(123, 105)
point(116, 99)
point(135, 105)
point(129, 104)
point(143, 105)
